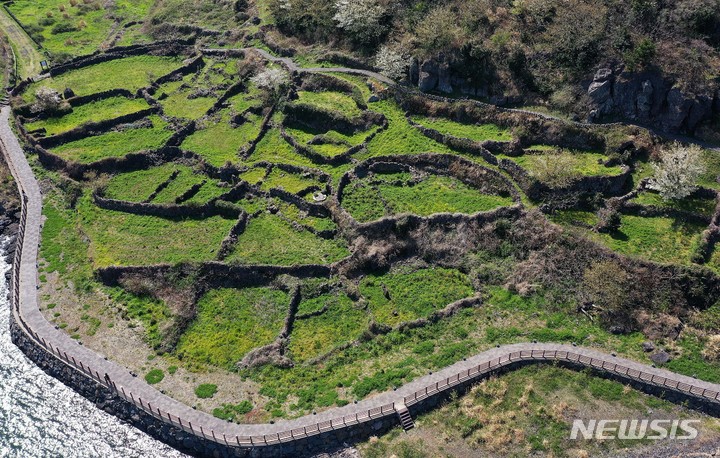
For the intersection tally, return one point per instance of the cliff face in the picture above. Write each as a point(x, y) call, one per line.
point(649, 98)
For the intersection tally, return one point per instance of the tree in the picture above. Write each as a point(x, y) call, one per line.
point(46, 100)
point(274, 81)
point(391, 63)
point(360, 19)
point(677, 174)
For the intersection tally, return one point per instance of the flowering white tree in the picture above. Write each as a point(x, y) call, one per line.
point(273, 80)
point(46, 100)
point(359, 18)
point(391, 63)
point(677, 173)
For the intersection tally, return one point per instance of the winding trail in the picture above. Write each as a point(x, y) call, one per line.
point(27, 314)
point(27, 55)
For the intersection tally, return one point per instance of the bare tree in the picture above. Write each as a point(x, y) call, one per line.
point(557, 170)
point(677, 174)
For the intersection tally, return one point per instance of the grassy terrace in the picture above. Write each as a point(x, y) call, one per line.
point(259, 245)
point(583, 163)
point(139, 185)
point(290, 182)
point(218, 142)
point(116, 144)
point(100, 110)
point(331, 101)
point(125, 239)
point(478, 133)
point(232, 322)
point(408, 295)
point(696, 205)
point(342, 323)
point(434, 194)
point(131, 73)
point(186, 179)
point(663, 240)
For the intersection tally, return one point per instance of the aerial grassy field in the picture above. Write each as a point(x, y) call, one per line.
point(347, 336)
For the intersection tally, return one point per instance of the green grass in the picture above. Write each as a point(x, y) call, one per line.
point(413, 295)
point(274, 149)
point(118, 238)
point(696, 205)
point(290, 182)
point(90, 22)
point(295, 214)
point(131, 73)
point(206, 390)
point(435, 194)
point(663, 240)
point(711, 161)
point(218, 142)
point(100, 110)
point(584, 163)
point(154, 376)
point(230, 323)
point(185, 179)
point(270, 240)
point(336, 143)
point(341, 323)
point(139, 185)
point(233, 412)
point(254, 175)
point(178, 105)
point(116, 144)
point(330, 101)
point(478, 133)
point(400, 137)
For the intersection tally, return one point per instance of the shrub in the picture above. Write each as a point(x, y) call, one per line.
point(711, 352)
point(641, 55)
point(154, 376)
point(206, 390)
point(63, 27)
point(557, 170)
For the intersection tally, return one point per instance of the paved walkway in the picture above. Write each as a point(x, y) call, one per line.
point(27, 314)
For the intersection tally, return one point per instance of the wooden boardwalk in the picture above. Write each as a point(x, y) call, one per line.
point(27, 314)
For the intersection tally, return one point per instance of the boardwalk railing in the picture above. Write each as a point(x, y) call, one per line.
point(383, 406)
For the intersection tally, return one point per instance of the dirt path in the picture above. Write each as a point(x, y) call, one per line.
point(26, 51)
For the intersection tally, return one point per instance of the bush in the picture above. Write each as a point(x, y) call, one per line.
point(154, 376)
point(206, 390)
point(641, 55)
point(63, 27)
